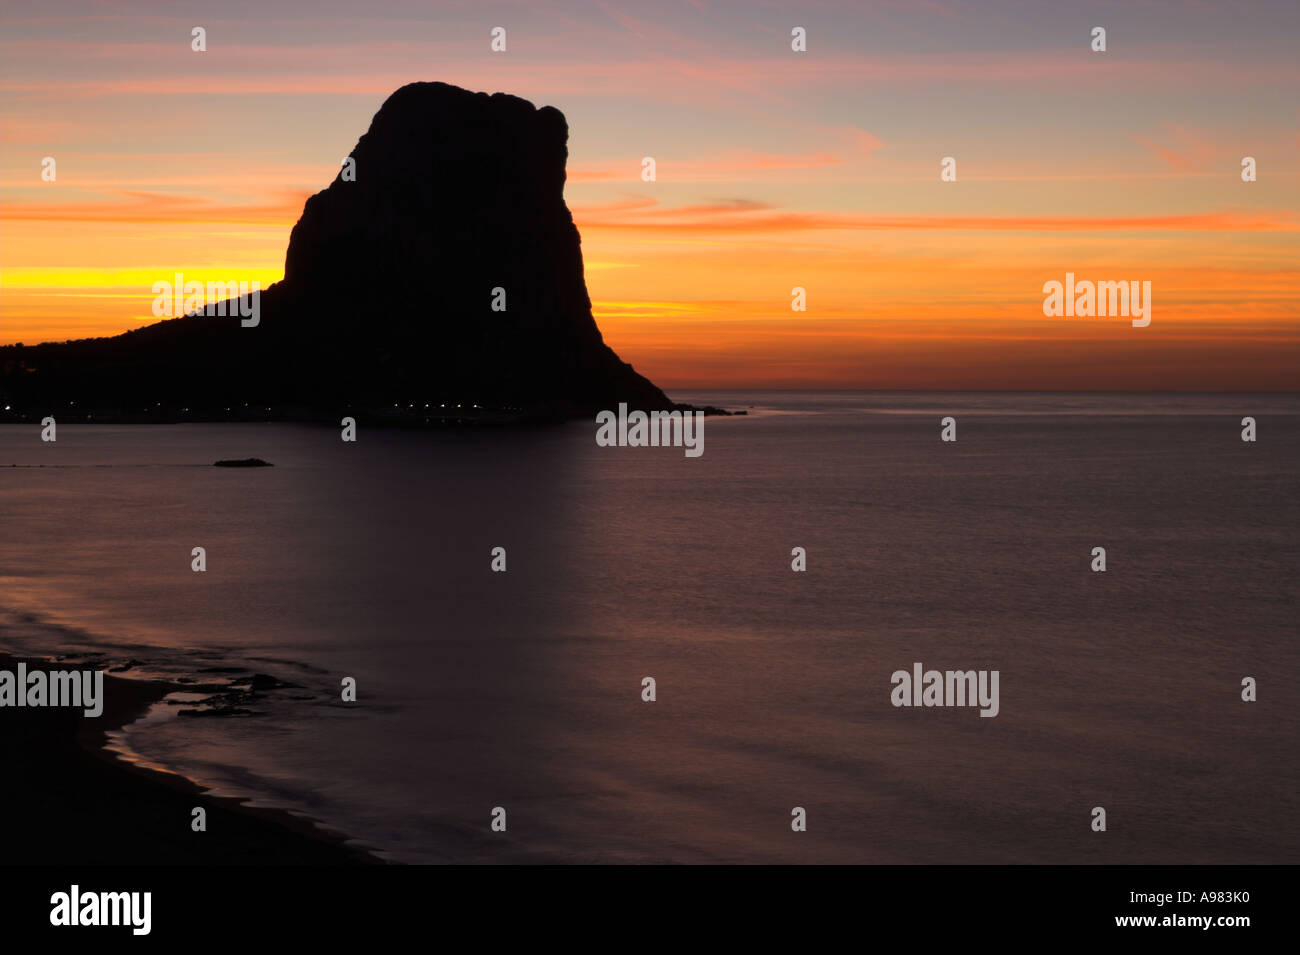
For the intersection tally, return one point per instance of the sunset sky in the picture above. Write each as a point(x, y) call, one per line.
point(775, 169)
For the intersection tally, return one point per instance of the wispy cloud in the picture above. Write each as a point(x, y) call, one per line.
point(158, 208)
point(740, 216)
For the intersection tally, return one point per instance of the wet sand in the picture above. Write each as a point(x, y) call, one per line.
point(68, 801)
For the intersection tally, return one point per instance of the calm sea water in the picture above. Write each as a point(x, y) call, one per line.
point(523, 689)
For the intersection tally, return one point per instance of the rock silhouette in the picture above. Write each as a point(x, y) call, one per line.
point(386, 305)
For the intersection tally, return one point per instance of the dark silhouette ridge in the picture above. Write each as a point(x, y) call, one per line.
point(386, 303)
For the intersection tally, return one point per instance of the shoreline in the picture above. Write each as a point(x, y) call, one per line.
point(70, 801)
point(407, 419)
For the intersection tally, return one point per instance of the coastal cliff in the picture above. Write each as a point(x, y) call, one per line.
point(439, 276)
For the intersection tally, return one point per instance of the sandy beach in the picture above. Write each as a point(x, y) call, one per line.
point(68, 801)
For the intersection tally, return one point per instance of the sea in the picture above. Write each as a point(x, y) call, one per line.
point(521, 695)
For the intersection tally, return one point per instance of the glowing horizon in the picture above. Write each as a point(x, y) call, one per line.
point(775, 169)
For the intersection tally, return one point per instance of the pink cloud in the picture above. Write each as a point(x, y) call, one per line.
point(740, 216)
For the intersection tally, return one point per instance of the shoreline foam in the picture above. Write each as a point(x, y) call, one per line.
point(82, 803)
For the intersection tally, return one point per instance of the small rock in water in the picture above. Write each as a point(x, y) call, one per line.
point(244, 463)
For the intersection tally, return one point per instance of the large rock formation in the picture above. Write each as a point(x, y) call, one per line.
point(386, 302)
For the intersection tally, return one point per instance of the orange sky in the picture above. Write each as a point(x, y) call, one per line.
point(775, 169)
